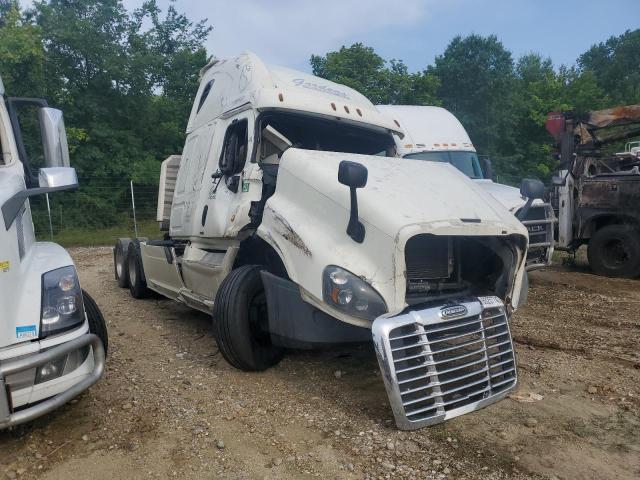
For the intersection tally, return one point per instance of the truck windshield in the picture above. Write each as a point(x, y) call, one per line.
point(319, 133)
point(466, 162)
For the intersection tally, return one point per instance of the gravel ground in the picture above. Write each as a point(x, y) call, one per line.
point(170, 406)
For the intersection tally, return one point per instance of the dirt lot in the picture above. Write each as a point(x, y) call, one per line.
point(169, 405)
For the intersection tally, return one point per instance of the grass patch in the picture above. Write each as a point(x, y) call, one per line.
point(92, 237)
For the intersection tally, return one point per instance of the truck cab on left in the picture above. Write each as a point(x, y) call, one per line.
point(53, 338)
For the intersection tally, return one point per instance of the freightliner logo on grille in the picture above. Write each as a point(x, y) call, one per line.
point(453, 311)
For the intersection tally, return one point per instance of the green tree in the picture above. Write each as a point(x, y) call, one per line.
point(476, 80)
point(362, 69)
point(358, 67)
point(21, 54)
point(125, 82)
point(615, 64)
point(539, 90)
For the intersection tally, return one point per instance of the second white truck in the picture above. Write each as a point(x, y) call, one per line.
point(287, 221)
point(435, 134)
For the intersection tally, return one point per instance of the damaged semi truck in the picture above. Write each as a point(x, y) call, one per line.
point(287, 222)
point(53, 337)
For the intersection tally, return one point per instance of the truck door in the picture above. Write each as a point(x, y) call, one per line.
point(234, 182)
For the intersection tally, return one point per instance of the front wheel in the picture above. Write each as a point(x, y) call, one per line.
point(240, 321)
point(614, 251)
point(97, 325)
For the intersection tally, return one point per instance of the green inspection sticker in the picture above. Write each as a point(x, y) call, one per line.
point(245, 185)
point(4, 266)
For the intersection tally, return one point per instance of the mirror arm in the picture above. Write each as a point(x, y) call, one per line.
point(355, 228)
point(12, 206)
point(522, 214)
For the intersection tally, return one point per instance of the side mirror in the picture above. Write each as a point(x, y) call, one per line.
point(57, 177)
point(532, 189)
point(487, 168)
point(54, 137)
point(353, 175)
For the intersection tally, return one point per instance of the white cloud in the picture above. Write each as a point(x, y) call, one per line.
point(287, 32)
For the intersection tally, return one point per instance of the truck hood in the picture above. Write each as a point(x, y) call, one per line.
point(508, 196)
point(306, 218)
point(400, 192)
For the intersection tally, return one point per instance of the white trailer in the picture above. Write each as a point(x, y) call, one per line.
point(435, 134)
point(287, 220)
point(52, 334)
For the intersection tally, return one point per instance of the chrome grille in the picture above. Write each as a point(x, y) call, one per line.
point(438, 366)
point(539, 221)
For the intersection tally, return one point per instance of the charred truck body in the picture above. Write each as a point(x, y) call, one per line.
point(288, 223)
point(597, 194)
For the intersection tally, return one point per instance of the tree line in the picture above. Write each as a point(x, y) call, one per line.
point(501, 101)
point(126, 80)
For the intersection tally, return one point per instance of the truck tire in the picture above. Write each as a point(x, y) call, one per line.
point(97, 325)
point(135, 273)
point(239, 309)
point(120, 262)
point(614, 251)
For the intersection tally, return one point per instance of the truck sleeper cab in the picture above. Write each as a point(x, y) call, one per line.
point(435, 134)
point(52, 335)
point(288, 221)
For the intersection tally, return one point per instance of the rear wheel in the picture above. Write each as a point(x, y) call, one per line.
point(240, 321)
point(135, 273)
point(97, 325)
point(120, 262)
point(614, 251)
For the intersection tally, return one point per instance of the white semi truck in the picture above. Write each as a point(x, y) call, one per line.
point(435, 134)
point(287, 222)
point(52, 335)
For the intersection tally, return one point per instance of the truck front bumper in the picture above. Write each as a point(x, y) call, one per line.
point(540, 222)
point(9, 418)
point(445, 360)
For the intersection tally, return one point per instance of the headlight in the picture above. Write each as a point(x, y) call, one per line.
point(62, 306)
point(350, 294)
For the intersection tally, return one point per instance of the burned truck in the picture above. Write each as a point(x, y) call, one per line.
point(287, 222)
point(596, 194)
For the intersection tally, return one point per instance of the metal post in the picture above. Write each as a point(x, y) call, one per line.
point(49, 212)
point(133, 206)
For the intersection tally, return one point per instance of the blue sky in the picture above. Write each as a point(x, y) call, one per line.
point(287, 32)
